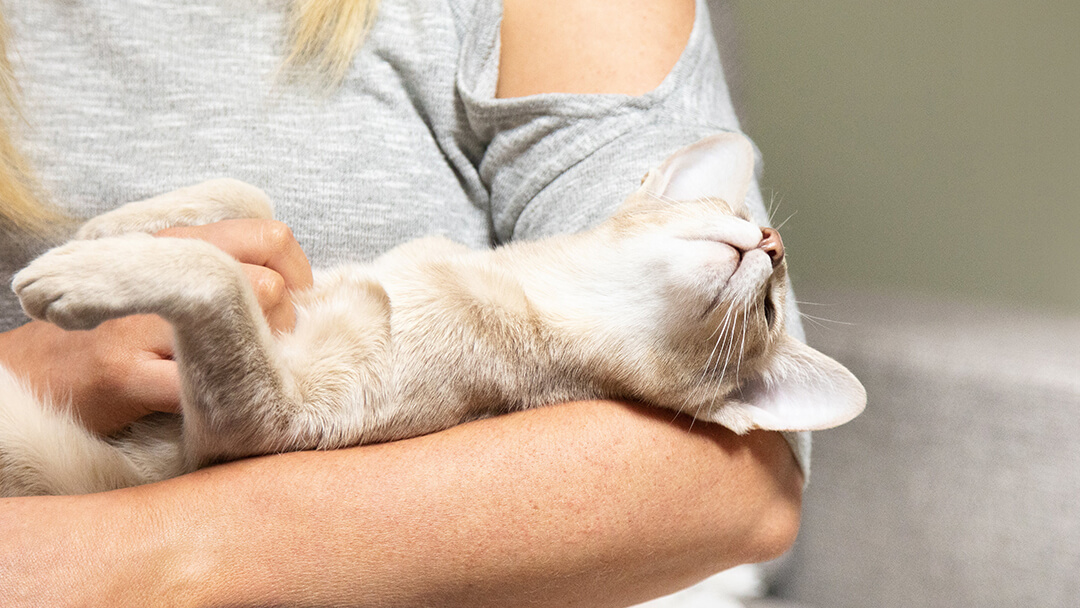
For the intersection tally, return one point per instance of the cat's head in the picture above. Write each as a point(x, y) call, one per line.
point(720, 280)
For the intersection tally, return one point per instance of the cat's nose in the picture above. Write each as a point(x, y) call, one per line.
point(772, 245)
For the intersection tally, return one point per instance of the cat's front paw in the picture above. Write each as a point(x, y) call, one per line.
point(205, 203)
point(81, 284)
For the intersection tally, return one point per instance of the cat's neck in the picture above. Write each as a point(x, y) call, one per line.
point(581, 282)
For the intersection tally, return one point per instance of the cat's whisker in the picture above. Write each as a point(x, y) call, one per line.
point(786, 220)
point(715, 332)
point(705, 371)
point(730, 347)
point(742, 345)
point(818, 325)
point(729, 343)
point(823, 319)
point(723, 372)
point(719, 338)
point(722, 338)
point(772, 211)
point(738, 360)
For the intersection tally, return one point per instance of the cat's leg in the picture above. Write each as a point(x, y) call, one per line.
point(240, 393)
point(204, 203)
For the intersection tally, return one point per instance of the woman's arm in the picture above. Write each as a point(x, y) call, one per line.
point(585, 504)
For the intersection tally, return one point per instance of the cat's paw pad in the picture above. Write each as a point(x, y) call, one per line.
point(77, 285)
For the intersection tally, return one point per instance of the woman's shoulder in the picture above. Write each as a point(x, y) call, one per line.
point(591, 46)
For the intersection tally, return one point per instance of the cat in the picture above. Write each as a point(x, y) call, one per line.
point(677, 300)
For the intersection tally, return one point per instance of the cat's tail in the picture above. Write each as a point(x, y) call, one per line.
point(43, 450)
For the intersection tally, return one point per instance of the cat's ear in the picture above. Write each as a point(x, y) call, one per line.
point(719, 166)
point(801, 390)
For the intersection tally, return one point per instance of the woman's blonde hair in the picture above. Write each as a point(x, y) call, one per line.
point(19, 204)
point(325, 36)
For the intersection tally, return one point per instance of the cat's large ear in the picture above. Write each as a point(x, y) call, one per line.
point(802, 390)
point(719, 166)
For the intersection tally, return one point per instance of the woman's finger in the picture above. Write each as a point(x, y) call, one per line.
point(155, 384)
point(266, 243)
point(120, 371)
point(273, 296)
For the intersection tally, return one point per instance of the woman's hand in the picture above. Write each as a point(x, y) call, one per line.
point(123, 369)
point(272, 260)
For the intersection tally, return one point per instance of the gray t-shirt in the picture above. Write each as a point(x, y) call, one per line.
point(127, 99)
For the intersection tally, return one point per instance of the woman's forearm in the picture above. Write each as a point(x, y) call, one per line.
point(585, 504)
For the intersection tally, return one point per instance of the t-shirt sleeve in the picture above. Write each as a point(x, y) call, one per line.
point(559, 163)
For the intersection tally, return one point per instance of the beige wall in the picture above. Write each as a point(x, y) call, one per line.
point(926, 146)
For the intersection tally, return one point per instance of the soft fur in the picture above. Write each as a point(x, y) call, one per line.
point(665, 303)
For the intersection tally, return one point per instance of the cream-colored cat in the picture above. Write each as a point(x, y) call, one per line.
point(676, 301)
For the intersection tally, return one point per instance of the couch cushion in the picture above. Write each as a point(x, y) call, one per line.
point(960, 484)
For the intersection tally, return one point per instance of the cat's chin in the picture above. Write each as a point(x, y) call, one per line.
point(746, 279)
point(751, 275)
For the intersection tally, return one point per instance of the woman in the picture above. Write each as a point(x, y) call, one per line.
point(481, 122)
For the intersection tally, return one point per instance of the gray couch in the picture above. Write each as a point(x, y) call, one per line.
point(960, 484)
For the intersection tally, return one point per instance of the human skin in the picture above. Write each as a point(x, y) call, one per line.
point(581, 504)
